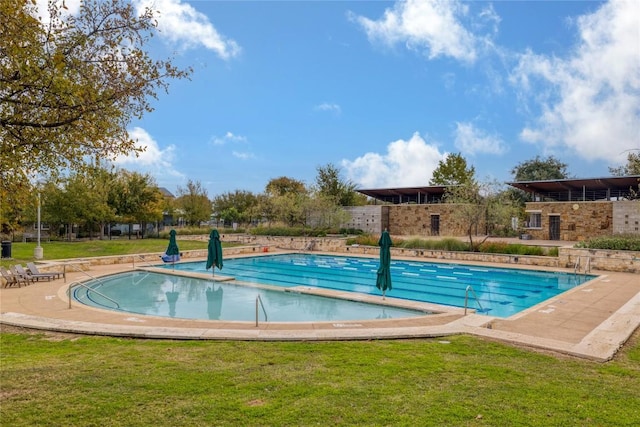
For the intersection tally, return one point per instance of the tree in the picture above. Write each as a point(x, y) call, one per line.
point(631, 168)
point(284, 185)
point(322, 212)
point(539, 169)
point(70, 85)
point(331, 186)
point(194, 203)
point(237, 206)
point(86, 198)
point(135, 199)
point(453, 171)
point(286, 201)
point(482, 208)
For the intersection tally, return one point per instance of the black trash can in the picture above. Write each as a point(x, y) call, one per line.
point(6, 249)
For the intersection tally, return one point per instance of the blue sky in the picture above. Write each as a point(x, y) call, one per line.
point(384, 90)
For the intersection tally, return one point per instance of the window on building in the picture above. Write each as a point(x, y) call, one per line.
point(534, 220)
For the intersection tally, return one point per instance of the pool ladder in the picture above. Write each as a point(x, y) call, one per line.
point(466, 298)
point(259, 303)
point(587, 265)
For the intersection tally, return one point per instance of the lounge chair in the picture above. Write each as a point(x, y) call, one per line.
point(22, 275)
point(9, 279)
point(12, 279)
point(33, 276)
point(33, 269)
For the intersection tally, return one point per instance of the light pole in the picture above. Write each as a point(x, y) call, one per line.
point(38, 252)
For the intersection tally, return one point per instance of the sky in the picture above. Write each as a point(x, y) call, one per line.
point(384, 90)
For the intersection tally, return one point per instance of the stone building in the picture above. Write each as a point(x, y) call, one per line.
point(566, 209)
point(577, 209)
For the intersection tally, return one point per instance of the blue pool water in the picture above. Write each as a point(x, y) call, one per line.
point(501, 292)
point(158, 294)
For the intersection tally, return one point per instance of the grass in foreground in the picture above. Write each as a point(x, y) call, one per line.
point(461, 380)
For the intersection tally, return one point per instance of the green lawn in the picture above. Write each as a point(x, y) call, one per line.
point(457, 381)
point(23, 252)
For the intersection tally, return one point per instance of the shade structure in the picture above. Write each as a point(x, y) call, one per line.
point(383, 281)
point(172, 254)
point(214, 251)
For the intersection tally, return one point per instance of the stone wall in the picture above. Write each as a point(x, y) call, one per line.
point(600, 259)
point(578, 220)
point(415, 220)
point(582, 220)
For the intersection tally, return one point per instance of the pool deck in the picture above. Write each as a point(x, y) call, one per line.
point(591, 321)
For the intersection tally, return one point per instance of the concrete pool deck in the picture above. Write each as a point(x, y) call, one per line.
point(590, 321)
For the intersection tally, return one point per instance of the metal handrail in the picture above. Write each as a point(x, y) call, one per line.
point(133, 261)
point(466, 298)
point(90, 276)
point(259, 300)
point(576, 267)
point(92, 290)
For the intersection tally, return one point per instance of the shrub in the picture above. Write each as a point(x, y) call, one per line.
point(457, 245)
point(512, 249)
point(619, 242)
point(289, 231)
point(196, 231)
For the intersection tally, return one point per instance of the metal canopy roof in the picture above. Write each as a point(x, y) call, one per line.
point(588, 189)
point(615, 187)
point(616, 183)
point(406, 194)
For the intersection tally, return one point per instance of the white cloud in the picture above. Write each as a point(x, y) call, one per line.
point(242, 155)
point(435, 27)
point(228, 137)
point(590, 101)
point(406, 164)
point(471, 140)
point(231, 138)
point(326, 106)
point(153, 160)
point(181, 23)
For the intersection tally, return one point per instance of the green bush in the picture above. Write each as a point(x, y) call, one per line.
point(618, 242)
point(196, 231)
point(290, 231)
point(457, 245)
point(511, 249)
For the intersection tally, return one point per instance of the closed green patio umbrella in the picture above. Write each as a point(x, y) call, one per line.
point(172, 254)
point(214, 252)
point(383, 281)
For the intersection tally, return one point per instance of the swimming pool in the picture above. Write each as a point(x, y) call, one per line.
point(158, 294)
point(501, 292)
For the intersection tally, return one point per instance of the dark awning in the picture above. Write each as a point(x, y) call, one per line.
point(417, 195)
point(581, 189)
